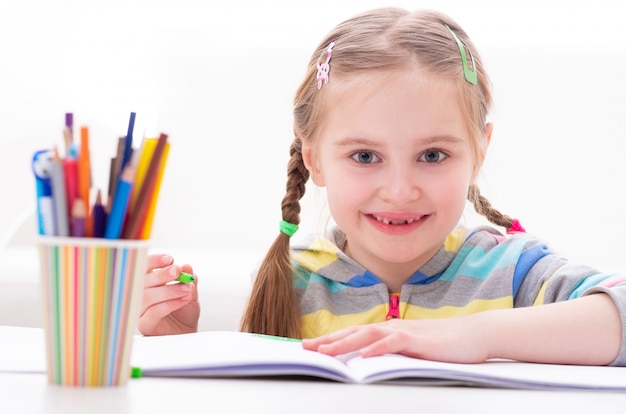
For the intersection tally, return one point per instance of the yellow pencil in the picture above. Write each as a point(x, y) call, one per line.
point(147, 225)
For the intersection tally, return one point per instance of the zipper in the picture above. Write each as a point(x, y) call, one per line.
point(394, 307)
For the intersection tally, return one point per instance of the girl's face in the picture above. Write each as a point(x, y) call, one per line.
point(395, 156)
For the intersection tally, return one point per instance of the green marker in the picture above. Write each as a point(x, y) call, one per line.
point(135, 372)
point(185, 277)
point(277, 338)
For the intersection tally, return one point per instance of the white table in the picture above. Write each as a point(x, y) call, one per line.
point(30, 393)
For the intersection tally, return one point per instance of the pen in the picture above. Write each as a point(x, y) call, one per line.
point(42, 166)
point(185, 277)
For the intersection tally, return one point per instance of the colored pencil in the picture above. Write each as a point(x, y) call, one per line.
point(146, 228)
point(84, 176)
point(59, 195)
point(99, 216)
point(133, 227)
point(146, 150)
point(68, 132)
point(115, 222)
point(70, 173)
point(128, 143)
point(79, 215)
point(116, 171)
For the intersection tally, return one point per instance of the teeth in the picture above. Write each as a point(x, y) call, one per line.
point(394, 222)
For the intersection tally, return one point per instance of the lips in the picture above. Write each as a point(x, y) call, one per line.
point(395, 221)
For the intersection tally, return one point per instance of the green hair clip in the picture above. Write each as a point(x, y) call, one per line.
point(470, 74)
point(288, 228)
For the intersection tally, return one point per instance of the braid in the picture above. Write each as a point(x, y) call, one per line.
point(273, 308)
point(484, 208)
point(297, 176)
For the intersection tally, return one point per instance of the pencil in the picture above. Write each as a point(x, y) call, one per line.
point(79, 215)
point(146, 150)
point(115, 222)
point(133, 228)
point(68, 132)
point(59, 196)
point(84, 176)
point(146, 228)
point(98, 215)
point(116, 171)
point(70, 173)
point(128, 143)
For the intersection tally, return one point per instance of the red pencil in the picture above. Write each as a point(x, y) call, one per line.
point(70, 172)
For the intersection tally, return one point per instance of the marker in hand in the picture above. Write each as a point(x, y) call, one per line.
point(185, 277)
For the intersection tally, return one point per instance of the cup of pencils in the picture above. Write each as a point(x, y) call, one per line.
point(93, 254)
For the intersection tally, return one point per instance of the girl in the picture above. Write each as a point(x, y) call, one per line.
point(391, 120)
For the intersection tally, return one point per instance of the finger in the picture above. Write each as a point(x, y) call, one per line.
point(156, 261)
point(188, 269)
point(392, 343)
point(155, 314)
point(156, 295)
point(357, 339)
point(161, 276)
point(314, 343)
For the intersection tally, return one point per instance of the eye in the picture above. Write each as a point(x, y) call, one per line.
point(365, 157)
point(432, 156)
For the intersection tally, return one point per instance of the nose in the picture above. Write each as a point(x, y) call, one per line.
point(400, 185)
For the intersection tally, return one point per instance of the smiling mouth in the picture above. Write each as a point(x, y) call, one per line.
point(395, 222)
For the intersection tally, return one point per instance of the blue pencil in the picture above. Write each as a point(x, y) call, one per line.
point(121, 200)
point(128, 143)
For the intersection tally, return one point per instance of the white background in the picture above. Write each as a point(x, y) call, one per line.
point(219, 78)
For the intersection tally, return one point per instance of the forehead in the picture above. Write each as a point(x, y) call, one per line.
point(408, 102)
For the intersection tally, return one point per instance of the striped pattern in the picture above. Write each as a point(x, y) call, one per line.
point(91, 289)
point(472, 272)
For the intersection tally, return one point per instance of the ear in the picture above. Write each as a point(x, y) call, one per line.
point(311, 162)
point(488, 132)
point(483, 151)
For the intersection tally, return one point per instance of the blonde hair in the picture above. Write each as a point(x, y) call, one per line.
point(378, 40)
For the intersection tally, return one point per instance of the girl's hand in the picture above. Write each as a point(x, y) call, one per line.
point(542, 334)
point(452, 340)
point(168, 308)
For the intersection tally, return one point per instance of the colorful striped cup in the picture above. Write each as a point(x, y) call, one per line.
point(91, 289)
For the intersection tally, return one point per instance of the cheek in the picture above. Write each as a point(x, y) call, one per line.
point(451, 191)
point(344, 197)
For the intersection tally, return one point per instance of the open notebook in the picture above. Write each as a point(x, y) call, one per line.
point(234, 354)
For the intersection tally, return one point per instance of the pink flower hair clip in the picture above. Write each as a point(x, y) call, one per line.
point(324, 68)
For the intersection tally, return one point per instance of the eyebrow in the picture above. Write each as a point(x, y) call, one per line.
point(436, 139)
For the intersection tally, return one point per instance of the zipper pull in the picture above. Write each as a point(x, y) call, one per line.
point(394, 307)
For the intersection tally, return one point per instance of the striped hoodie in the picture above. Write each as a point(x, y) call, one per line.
point(472, 272)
